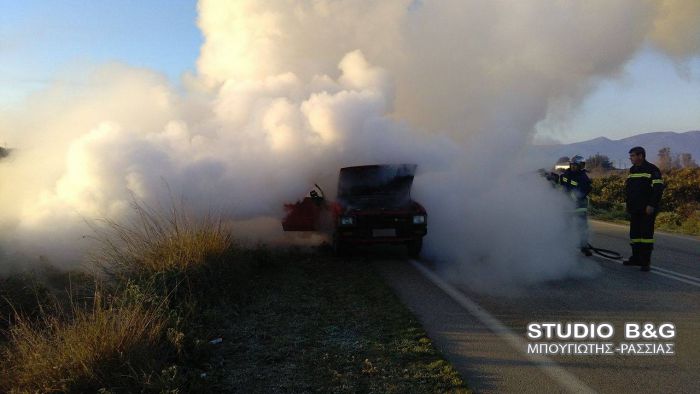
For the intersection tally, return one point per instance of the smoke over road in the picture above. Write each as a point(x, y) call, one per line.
point(287, 92)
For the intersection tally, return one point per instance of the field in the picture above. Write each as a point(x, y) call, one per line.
point(179, 306)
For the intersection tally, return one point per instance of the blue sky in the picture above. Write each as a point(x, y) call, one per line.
point(654, 94)
point(40, 39)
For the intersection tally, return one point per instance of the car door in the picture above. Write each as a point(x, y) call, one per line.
point(307, 214)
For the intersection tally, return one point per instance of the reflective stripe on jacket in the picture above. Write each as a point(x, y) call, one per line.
point(644, 186)
point(577, 185)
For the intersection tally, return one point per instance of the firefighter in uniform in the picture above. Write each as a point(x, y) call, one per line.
point(575, 182)
point(643, 189)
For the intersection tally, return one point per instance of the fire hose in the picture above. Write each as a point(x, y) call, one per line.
point(607, 253)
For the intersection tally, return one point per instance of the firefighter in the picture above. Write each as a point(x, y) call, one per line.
point(643, 189)
point(553, 176)
point(577, 185)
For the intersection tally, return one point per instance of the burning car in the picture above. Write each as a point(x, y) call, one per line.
point(373, 205)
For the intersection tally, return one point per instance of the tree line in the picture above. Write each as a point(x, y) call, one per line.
point(665, 160)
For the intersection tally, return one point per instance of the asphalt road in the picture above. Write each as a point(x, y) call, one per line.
point(484, 335)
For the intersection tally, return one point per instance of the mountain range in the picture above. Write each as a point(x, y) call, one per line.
point(616, 150)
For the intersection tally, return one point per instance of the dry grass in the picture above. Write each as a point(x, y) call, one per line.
point(20, 293)
point(158, 241)
point(128, 338)
point(101, 347)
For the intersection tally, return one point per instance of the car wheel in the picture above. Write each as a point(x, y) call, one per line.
point(415, 247)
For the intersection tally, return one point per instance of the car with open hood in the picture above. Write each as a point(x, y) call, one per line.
point(373, 205)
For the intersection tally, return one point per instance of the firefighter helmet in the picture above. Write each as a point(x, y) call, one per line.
point(577, 161)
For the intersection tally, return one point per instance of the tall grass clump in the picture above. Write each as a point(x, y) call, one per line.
point(161, 241)
point(19, 293)
point(172, 251)
point(110, 346)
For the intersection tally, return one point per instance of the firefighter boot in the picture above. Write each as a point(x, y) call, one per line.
point(645, 259)
point(635, 258)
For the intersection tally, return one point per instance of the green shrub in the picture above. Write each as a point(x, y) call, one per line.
point(608, 192)
point(691, 225)
point(611, 215)
point(669, 221)
point(680, 203)
point(682, 189)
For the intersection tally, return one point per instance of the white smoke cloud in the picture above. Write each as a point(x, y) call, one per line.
point(676, 30)
point(287, 92)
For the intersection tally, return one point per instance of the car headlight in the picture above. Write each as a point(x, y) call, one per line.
point(347, 221)
point(419, 219)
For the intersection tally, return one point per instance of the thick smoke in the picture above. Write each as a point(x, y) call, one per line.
point(286, 92)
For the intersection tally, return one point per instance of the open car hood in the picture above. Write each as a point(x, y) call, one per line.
point(376, 186)
point(364, 189)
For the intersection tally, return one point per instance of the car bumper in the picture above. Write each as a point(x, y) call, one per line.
point(372, 236)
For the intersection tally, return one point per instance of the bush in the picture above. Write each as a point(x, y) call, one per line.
point(680, 203)
point(608, 192)
point(669, 221)
point(614, 215)
point(682, 189)
point(691, 225)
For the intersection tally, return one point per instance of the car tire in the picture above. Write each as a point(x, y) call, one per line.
point(415, 247)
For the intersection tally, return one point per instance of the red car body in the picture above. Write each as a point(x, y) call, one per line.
point(373, 205)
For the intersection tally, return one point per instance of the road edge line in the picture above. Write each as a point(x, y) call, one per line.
point(565, 379)
point(696, 284)
point(662, 272)
point(671, 272)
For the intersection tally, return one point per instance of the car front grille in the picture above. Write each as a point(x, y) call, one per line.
point(403, 224)
point(383, 221)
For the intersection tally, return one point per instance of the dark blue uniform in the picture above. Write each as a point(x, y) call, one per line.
point(577, 185)
point(643, 187)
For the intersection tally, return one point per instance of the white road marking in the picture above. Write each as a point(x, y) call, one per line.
point(550, 367)
point(696, 284)
point(676, 273)
point(691, 280)
point(659, 232)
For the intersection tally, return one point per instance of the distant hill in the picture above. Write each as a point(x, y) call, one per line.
point(4, 152)
point(616, 150)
